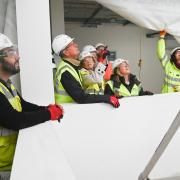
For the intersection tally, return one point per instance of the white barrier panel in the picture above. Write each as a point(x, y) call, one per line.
point(98, 142)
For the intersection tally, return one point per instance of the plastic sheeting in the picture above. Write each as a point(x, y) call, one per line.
point(99, 142)
point(151, 14)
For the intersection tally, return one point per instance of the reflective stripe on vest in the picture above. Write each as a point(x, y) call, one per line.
point(61, 96)
point(8, 138)
point(93, 88)
point(172, 78)
point(123, 91)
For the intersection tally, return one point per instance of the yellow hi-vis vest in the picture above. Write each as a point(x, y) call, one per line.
point(8, 138)
point(61, 96)
point(123, 91)
point(92, 88)
point(172, 73)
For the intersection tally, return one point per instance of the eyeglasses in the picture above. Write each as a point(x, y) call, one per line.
point(13, 52)
point(71, 44)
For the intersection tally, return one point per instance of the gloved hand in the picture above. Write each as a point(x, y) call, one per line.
point(114, 101)
point(56, 111)
point(103, 54)
point(162, 33)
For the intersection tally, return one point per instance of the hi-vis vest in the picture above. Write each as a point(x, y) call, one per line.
point(8, 138)
point(172, 74)
point(93, 88)
point(123, 91)
point(61, 96)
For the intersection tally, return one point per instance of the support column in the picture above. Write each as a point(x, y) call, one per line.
point(34, 41)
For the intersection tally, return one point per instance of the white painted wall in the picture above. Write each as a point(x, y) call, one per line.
point(125, 40)
point(34, 41)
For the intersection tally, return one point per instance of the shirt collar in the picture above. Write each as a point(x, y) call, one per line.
point(73, 61)
point(7, 84)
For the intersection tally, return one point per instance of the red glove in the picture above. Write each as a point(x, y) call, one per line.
point(56, 111)
point(103, 54)
point(114, 101)
point(162, 33)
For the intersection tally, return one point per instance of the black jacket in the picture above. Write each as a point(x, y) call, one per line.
point(118, 80)
point(74, 89)
point(31, 114)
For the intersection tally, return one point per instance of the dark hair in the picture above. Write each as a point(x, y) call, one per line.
point(61, 54)
point(81, 64)
point(115, 78)
point(115, 71)
point(173, 56)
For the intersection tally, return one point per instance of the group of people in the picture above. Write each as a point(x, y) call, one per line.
point(86, 77)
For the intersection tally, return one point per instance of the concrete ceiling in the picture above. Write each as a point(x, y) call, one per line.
point(90, 13)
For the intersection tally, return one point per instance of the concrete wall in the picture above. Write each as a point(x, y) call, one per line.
point(57, 17)
point(125, 40)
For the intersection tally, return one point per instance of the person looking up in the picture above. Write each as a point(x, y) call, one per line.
point(123, 83)
point(15, 112)
point(170, 65)
point(92, 75)
point(68, 82)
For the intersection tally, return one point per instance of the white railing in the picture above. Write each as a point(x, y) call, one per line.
point(99, 142)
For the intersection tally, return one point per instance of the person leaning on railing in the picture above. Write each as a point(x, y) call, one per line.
point(68, 82)
point(123, 83)
point(15, 112)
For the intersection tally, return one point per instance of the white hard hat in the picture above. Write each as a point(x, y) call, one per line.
point(175, 49)
point(5, 42)
point(60, 42)
point(89, 48)
point(99, 44)
point(117, 62)
point(84, 54)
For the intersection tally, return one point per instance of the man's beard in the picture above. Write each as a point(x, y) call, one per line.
point(10, 68)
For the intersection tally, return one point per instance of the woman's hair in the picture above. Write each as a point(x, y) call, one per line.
point(173, 57)
point(116, 74)
point(81, 64)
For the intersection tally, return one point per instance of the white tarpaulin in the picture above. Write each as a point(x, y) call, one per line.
point(99, 142)
point(151, 14)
